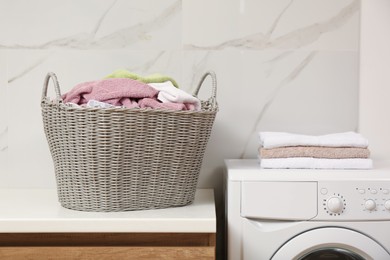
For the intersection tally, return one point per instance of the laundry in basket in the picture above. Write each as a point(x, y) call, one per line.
point(120, 159)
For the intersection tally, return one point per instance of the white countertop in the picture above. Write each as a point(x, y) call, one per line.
point(38, 210)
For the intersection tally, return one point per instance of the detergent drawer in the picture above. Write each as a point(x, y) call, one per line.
point(279, 200)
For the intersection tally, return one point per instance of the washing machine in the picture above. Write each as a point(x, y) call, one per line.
point(306, 214)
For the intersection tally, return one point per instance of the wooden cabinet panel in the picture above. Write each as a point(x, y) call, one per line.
point(37, 246)
point(106, 253)
point(107, 239)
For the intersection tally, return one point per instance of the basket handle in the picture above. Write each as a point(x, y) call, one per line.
point(56, 86)
point(213, 97)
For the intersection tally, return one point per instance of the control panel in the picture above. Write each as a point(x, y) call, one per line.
point(353, 200)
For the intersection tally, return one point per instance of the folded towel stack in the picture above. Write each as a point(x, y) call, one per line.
point(347, 150)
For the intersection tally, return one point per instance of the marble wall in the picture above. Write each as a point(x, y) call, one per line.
point(284, 65)
point(374, 92)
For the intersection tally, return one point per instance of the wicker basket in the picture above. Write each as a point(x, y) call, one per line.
point(120, 159)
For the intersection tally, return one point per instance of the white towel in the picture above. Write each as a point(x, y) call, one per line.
point(315, 163)
point(280, 139)
point(169, 93)
point(98, 104)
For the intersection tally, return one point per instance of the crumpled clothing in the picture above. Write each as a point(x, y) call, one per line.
point(169, 93)
point(119, 92)
point(116, 91)
point(154, 78)
point(153, 103)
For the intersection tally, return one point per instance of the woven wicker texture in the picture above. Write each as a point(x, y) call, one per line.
point(120, 159)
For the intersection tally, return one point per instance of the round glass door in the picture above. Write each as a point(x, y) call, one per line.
point(331, 254)
point(331, 243)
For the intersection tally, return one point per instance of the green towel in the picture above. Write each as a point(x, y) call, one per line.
point(154, 78)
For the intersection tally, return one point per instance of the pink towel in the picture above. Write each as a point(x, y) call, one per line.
point(154, 103)
point(314, 152)
point(115, 91)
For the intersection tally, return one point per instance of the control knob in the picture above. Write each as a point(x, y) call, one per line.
point(387, 204)
point(335, 205)
point(370, 205)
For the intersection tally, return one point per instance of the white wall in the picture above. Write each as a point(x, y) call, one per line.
point(282, 65)
point(374, 114)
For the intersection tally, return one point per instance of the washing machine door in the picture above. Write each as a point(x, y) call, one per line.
point(331, 243)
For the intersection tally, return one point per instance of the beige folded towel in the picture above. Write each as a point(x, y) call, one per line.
point(314, 152)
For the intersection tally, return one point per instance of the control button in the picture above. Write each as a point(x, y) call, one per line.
point(362, 191)
point(374, 191)
point(387, 204)
point(324, 191)
point(370, 205)
point(385, 191)
point(335, 205)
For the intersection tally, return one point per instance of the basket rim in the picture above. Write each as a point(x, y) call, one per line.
point(47, 102)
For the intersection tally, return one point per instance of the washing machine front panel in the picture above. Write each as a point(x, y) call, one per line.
point(332, 200)
point(279, 200)
point(353, 200)
point(338, 243)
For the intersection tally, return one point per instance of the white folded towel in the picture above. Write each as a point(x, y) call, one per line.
point(315, 163)
point(281, 139)
point(169, 93)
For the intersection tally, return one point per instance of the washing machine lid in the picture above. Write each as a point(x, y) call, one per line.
point(341, 241)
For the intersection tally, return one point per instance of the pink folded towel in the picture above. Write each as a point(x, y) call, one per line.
point(115, 91)
point(314, 152)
